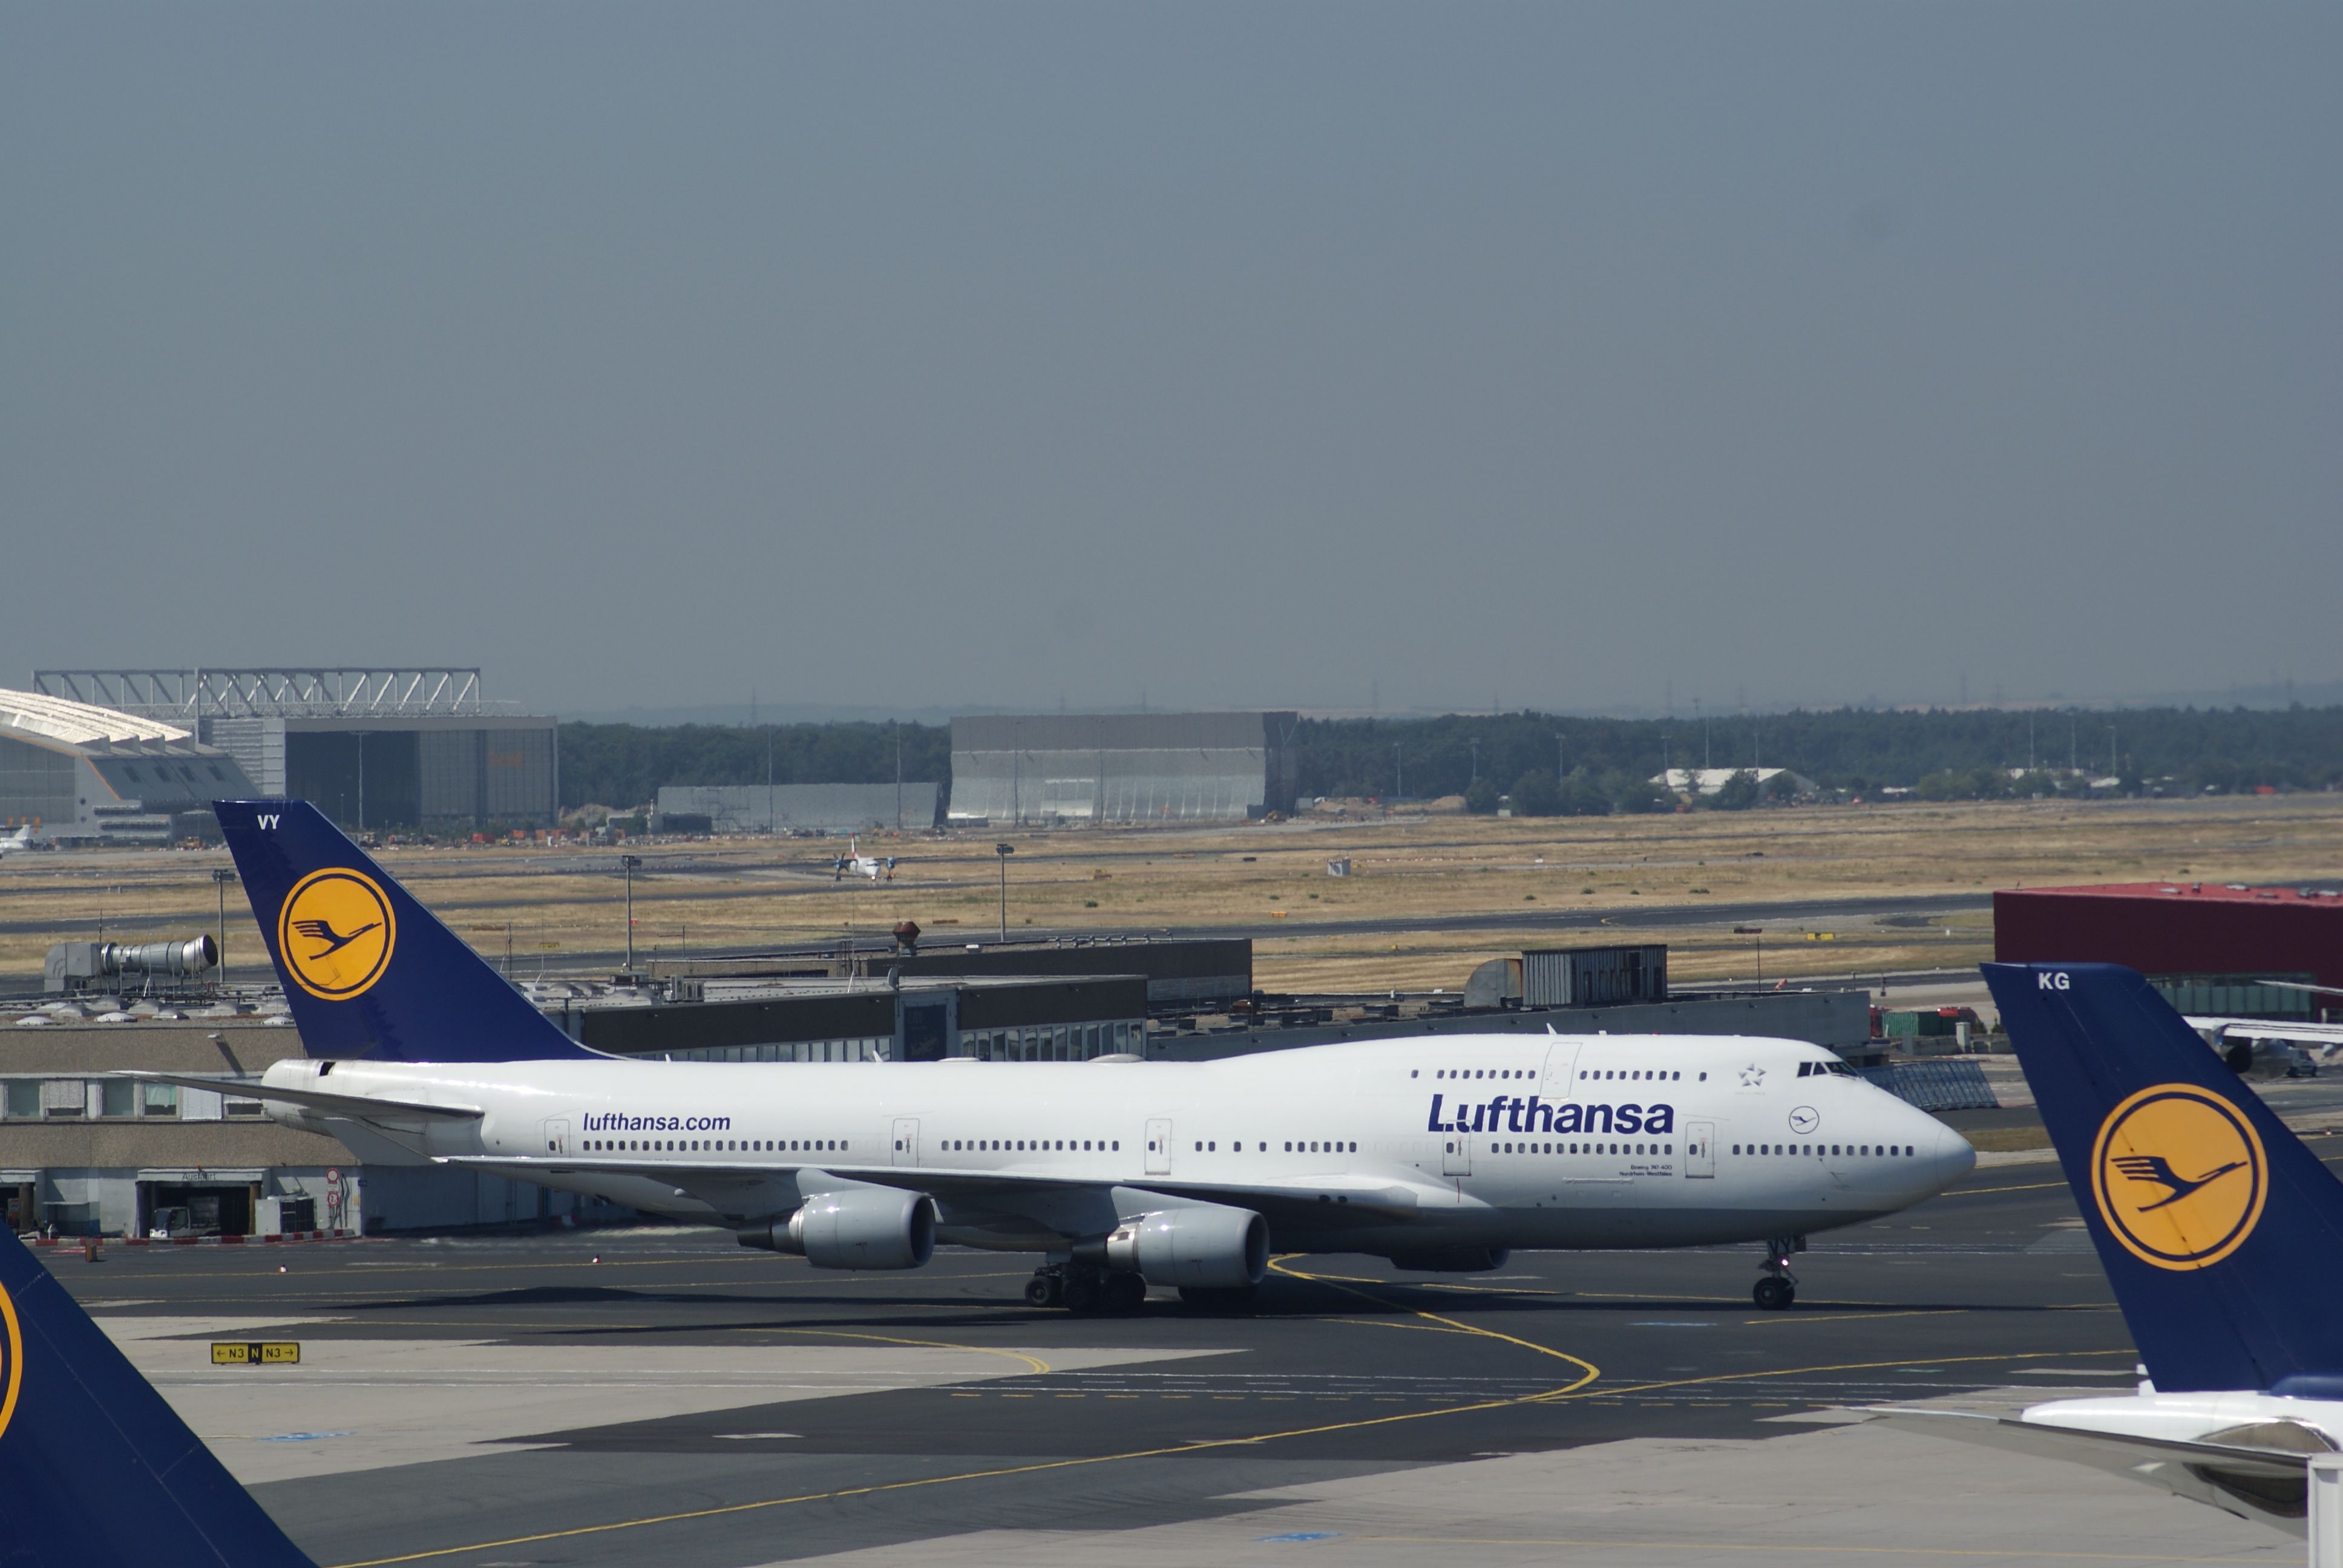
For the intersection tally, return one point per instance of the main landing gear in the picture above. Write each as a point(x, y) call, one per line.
point(1080, 1288)
point(1779, 1288)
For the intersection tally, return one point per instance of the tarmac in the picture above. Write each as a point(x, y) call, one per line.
point(664, 1396)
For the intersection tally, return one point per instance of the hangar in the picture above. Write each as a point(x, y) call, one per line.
point(79, 772)
point(1011, 770)
point(377, 748)
point(2205, 945)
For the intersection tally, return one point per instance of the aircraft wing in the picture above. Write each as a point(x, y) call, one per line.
point(1328, 1202)
point(353, 1107)
point(2251, 1482)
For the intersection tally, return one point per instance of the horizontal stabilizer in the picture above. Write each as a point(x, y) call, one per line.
point(2118, 1453)
point(357, 1107)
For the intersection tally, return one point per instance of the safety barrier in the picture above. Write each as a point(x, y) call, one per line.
point(1937, 1085)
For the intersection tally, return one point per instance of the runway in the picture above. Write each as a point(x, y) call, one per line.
point(685, 1402)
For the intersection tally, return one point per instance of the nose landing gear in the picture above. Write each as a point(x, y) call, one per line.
point(1080, 1288)
point(1779, 1288)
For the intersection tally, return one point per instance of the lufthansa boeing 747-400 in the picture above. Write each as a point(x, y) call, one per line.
point(1438, 1153)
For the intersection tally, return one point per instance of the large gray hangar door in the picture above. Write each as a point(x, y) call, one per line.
point(907, 1141)
point(1159, 1148)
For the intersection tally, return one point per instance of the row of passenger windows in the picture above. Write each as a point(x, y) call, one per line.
point(1293, 1147)
point(1582, 1149)
point(1860, 1151)
point(718, 1145)
point(1630, 1074)
point(1033, 1145)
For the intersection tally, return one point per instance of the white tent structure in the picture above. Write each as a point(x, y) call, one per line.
point(1709, 780)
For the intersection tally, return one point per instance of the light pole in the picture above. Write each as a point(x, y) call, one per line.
point(626, 864)
point(1004, 851)
point(221, 878)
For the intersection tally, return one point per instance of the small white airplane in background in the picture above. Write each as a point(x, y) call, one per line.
point(2272, 1047)
point(2262, 1047)
point(861, 864)
point(22, 839)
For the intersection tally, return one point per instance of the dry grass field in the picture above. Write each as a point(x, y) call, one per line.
point(559, 908)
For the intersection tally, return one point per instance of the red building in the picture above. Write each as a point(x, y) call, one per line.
point(2174, 928)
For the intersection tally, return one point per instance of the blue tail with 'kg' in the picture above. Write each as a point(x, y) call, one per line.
point(368, 971)
point(96, 1470)
point(2220, 1230)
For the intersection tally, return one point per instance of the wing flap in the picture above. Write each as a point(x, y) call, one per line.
point(1336, 1202)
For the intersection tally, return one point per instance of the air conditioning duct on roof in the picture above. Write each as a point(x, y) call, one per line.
point(70, 964)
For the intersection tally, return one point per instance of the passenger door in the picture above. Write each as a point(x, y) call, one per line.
point(907, 1141)
point(557, 1136)
point(1159, 1148)
point(1700, 1148)
point(1456, 1154)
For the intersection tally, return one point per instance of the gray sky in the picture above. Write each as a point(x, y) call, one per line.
point(980, 354)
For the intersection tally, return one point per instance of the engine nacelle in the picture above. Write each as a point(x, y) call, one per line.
point(1211, 1245)
point(858, 1228)
point(1451, 1260)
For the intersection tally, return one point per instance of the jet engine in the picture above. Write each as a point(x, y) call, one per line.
point(1210, 1245)
point(857, 1228)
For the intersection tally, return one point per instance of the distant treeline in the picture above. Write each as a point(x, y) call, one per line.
point(1553, 763)
point(1595, 765)
point(623, 765)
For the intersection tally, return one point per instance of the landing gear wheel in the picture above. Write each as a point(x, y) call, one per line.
point(1773, 1294)
point(1080, 1293)
point(1123, 1293)
point(1044, 1290)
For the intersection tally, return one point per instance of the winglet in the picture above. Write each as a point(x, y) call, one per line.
point(2221, 1232)
point(98, 1471)
point(368, 971)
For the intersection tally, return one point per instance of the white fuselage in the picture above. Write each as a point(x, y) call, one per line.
point(1492, 1140)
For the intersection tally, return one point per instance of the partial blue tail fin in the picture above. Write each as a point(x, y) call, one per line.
point(368, 971)
point(2221, 1232)
point(96, 1470)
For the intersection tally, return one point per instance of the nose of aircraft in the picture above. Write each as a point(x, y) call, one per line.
point(1949, 1155)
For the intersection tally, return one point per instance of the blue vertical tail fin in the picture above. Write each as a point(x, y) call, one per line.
point(96, 1470)
point(2220, 1230)
point(366, 970)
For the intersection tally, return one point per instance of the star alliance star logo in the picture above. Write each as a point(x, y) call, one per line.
point(1752, 1076)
